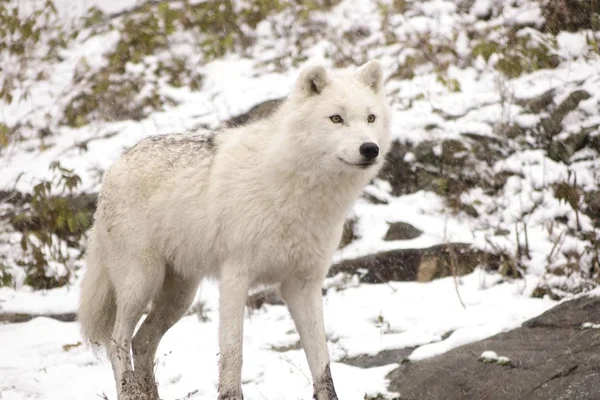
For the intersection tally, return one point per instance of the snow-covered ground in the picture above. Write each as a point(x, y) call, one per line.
point(42, 358)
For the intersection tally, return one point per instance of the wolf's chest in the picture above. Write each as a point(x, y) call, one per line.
point(293, 246)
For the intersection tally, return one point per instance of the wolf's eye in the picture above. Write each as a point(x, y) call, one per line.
point(336, 119)
point(371, 118)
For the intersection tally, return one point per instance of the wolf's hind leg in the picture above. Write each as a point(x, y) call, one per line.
point(171, 303)
point(134, 292)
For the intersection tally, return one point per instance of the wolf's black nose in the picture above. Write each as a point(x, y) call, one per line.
point(369, 150)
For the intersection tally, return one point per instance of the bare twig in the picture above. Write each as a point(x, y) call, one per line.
point(558, 241)
point(453, 269)
point(527, 254)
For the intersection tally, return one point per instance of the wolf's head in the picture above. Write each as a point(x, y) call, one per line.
point(340, 120)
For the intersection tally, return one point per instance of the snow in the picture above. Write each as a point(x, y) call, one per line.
point(529, 14)
point(69, 10)
point(43, 302)
point(43, 358)
point(361, 319)
point(590, 325)
point(490, 356)
point(481, 8)
point(40, 366)
point(571, 45)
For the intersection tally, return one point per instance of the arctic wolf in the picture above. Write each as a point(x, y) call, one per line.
point(260, 204)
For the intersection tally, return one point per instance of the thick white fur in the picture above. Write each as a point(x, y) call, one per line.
point(265, 204)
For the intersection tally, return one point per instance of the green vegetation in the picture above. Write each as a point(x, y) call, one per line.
point(217, 28)
point(143, 58)
point(521, 54)
point(52, 223)
point(22, 36)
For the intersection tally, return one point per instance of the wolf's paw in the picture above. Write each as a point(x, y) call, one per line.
point(230, 396)
point(325, 396)
point(147, 384)
point(133, 389)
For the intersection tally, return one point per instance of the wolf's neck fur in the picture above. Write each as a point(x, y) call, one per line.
point(275, 169)
point(323, 191)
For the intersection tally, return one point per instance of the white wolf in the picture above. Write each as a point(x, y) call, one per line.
point(260, 204)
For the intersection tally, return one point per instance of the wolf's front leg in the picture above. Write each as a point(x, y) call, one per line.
point(306, 307)
point(233, 288)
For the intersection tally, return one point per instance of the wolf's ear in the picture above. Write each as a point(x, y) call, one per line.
point(371, 75)
point(312, 80)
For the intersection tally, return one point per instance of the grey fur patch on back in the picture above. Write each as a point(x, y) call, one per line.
point(203, 141)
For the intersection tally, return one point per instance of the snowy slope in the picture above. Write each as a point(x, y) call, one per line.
point(362, 319)
point(43, 358)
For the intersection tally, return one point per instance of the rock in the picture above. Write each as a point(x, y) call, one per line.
point(257, 112)
point(429, 180)
point(562, 150)
point(557, 151)
point(386, 357)
point(489, 142)
point(553, 124)
point(552, 357)
point(22, 317)
point(539, 103)
point(394, 265)
point(469, 210)
point(594, 138)
point(514, 131)
point(398, 172)
point(542, 291)
point(485, 148)
point(570, 103)
point(453, 152)
point(269, 296)
point(348, 234)
point(570, 15)
point(464, 6)
point(420, 265)
point(447, 260)
point(448, 172)
point(592, 199)
point(402, 231)
point(424, 153)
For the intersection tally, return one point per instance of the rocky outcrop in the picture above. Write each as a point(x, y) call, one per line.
point(402, 231)
point(24, 317)
point(421, 265)
point(554, 356)
point(551, 126)
point(570, 15)
point(259, 111)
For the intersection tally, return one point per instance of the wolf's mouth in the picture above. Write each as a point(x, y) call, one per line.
point(362, 165)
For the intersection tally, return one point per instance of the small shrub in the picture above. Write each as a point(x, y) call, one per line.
point(521, 54)
point(21, 36)
point(52, 226)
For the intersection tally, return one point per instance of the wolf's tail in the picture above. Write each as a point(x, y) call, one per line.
point(97, 305)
